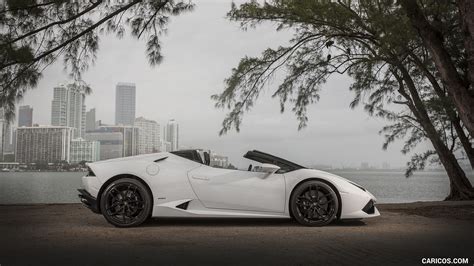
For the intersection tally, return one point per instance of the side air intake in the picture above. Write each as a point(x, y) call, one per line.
point(183, 206)
point(369, 207)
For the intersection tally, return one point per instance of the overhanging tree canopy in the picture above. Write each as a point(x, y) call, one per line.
point(374, 43)
point(35, 33)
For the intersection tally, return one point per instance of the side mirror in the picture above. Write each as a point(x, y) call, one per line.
point(269, 168)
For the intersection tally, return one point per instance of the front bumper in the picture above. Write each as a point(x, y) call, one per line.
point(358, 205)
point(88, 200)
point(369, 208)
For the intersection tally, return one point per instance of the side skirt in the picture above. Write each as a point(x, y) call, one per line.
point(195, 209)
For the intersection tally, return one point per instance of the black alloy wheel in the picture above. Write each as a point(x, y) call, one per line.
point(314, 203)
point(126, 202)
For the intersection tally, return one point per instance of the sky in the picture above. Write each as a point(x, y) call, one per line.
point(200, 49)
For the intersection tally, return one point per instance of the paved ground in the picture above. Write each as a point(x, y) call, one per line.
point(72, 235)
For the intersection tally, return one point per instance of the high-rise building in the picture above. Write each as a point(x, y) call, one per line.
point(115, 141)
point(13, 139)
point(3, 124)
point(90, 120)
point(43, 144)
point(5, 135)
point(125, 104)
point(25, 116)
point(111, 143)
point(98, 123)
point(219, 160)
point(172, 134)
point(84, 151)
point(165, 146)
point(148, 135)
point(68, 109)
point(7, 138)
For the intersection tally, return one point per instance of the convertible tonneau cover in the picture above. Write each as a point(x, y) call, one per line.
point(261, 157)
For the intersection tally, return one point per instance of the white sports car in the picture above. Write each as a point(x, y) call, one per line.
point(129, 190)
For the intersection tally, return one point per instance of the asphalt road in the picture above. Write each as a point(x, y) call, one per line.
point(72, 235)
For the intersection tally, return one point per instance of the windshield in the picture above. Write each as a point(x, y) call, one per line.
point(261, 157)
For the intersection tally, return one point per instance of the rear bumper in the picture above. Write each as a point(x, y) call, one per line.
point(88, 200)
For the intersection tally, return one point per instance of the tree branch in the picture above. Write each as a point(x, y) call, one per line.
point(30, 7)
point(90, 28)
point(151, 18)
point(33, 32)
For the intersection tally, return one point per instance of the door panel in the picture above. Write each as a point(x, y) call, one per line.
point(238, 190)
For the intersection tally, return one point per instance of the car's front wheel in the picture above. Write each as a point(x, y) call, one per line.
point(314, 203)
point(126, 202)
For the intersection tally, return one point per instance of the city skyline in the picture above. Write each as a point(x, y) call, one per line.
point(89, 149)
point(167, 143)
point(75, 136)
point(152, 139)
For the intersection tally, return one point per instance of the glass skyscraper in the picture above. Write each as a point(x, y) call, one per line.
point(125, 104)
point(68, 109)
point(25, 116)
point(172, 134)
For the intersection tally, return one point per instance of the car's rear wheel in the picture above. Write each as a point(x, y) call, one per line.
point(126, 202)
point(314, 203)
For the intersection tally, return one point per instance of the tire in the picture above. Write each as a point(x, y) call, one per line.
point(314, 203)
point(126, 202)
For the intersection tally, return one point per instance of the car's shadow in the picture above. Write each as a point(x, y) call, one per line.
point(239, 222)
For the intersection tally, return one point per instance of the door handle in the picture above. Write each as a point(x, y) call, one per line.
point(201, 178)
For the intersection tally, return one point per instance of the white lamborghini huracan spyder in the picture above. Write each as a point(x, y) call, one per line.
point(129, 190)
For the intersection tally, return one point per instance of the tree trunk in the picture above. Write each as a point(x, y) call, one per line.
point(448, 108)
point(465, 142)
point(463, 98)
point(460, 187)
point(466, 9)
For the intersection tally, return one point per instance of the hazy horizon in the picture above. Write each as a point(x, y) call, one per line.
point(197, 59)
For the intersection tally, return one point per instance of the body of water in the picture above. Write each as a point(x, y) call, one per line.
point(387, 186)
point(394, 187)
